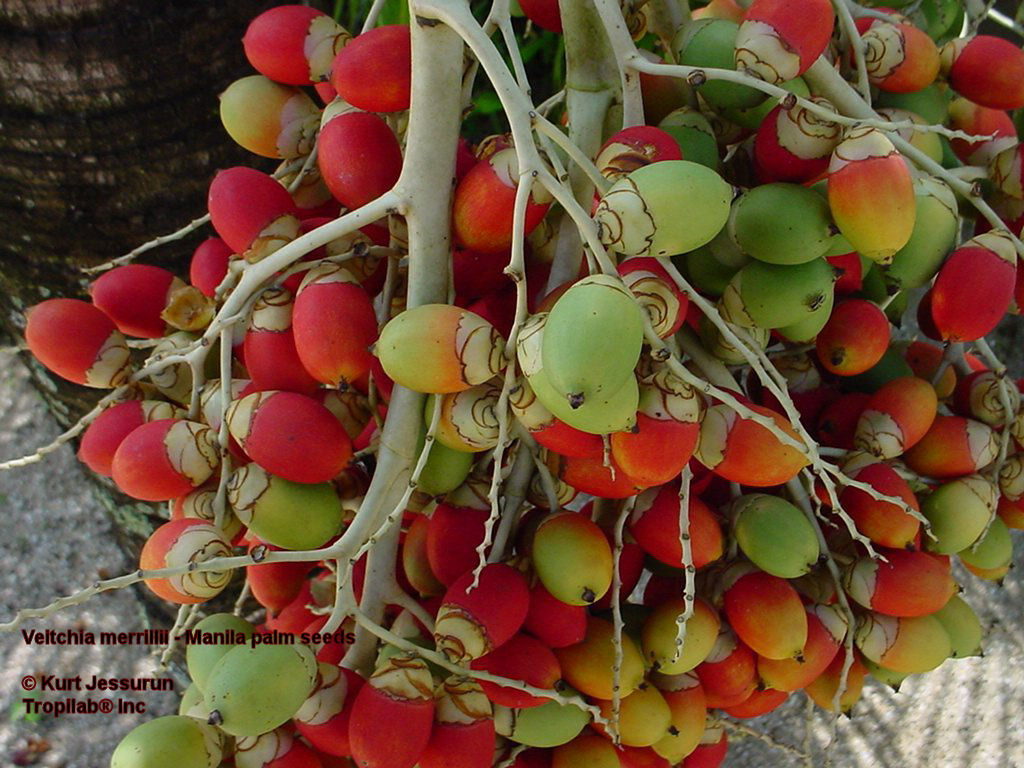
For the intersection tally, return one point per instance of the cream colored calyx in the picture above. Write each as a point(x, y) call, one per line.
point(192, 450)
point(760, 52)
point(404, 677)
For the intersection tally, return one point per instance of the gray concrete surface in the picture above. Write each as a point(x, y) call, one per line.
point(968, 714)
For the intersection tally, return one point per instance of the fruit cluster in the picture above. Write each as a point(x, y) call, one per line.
point(616, 511)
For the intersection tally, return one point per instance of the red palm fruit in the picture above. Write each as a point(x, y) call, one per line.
point(251, 212)
point(710, 752)
point(900, 57)
point(881, 521)
point(477, 274)
point(953, 446)
point(547, 429)
point(521, 658)
point(473, 622)
point(438, 348)
point(661, 95)
point(633, 147)
point(323, 720)
point(908, 584)
point(655, 526)
point(987, 70)
point(871, 194)
point(837, 422)
point(269, 119)
point(896, 416)
point(729, 674)
point(358, 157)
point(743, 451)
point(554, 623)
point(143, 300)
point(463, 734)
point(276, 585)
point(543, 13)
point(822, 689)
point(974, 287)
point(278, 748)
point(688, 708)
point(209, 265)
point(330, 648)
point(778, 40)
point(826, 628)
point(720, 9)
point(270, 354)
point(290, 435)
point(374, 70)
point(851, 273)
point(766, 613)
point(333, 325)
point(590, 475)
point(588, 750)
point(482, 210)
point(660, 589)
point(587, 666)
point(164, 459)
point(795, 144)
point(295, 616)
point(393, 714)
point(631, 568)
point(415, 562)
point(179, 543)
point(453, 534)
point(103, 436)
point(665, 303)
point(644, 717)
point(666, 431)
point(758, 703)
point(1011, 512)
point(78, 342)
point(907, 644)
point(966, 116)
point(533, 758)
point(978, 395)
point(854, 338)
point(924, 359)
point(293, 44)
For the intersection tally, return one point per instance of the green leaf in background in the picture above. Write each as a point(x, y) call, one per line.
point(20, 712)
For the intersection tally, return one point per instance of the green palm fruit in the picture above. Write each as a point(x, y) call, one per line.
point(994, 550)
point(807, 329)
point(936, 227)
point(663, 209)
point(446, 469)
point(174, 741)
point(776, 295)
point(694, 135)
point(759, 228)
point(775, 535)
point(963, 627)
point(548, 725)
point(712, 43)
point(201, 657)
point(958, 512)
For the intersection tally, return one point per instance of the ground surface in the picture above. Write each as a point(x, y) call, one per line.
point(56, 539)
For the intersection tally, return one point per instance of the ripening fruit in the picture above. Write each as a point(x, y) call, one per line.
point(293, 44)
point(661, 629)
point(663, 209)
point(974, 287)
point(225, 628)
point(903, 644)
point(284, 513)
point(802, 235)
point(644, 717)
point(900, 57)
point(826, 628)
point(711, 43)
point(439, 348)
point(269, 346)
point(766, 613)
point(374, 70)
point(269, 119)
point(463, 732)
point(78, 342)
point(655, 526)
point(588, 750)
point(742, 451)
point(358, 156)
point(987, 70)
point(520, 658)
point(473, 622)
point(822, 689)
point(795, 144)
point(871, 194)
point(729, 674)
point(779, 40)
point(774, 535)
point(907, 584)
point(180, 543)
point(548, 725)
point(936, 227)
point(164, 459)
point(971, 118)
point(290, 435)
point(685, 699)
point(963, 627)
point(854, 338)
point(105, 433)
point(881, 521)
point(958, 512)
point(592, 339)
point(483, 209)
point(251, 212)
point(587, 666)
point(953, 446)
point(193, 744)
point(896, 417)
point(572, 558)
point(324, 717)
